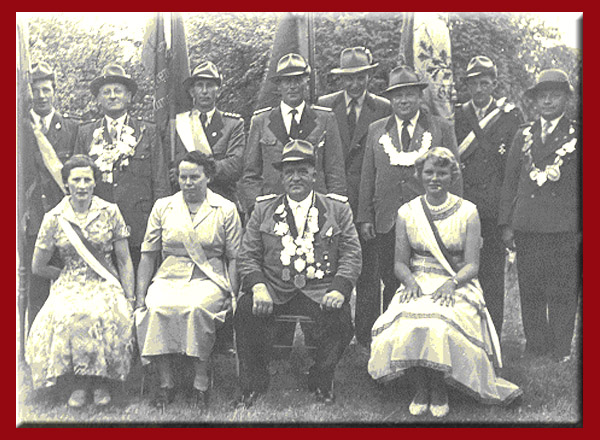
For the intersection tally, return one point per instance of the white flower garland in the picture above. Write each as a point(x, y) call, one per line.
point(404, 158)
point(110, 153)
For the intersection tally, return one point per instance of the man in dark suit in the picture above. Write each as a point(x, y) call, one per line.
point(128, 152)
point(213, 132)
point(273, 127)
point(485, 128)
point(355, 108)
point(388, 173)
point(539, 213)
point(300, 255)
point(50, 139)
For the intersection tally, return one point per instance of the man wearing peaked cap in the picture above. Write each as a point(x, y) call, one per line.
point(539, 214)
point(50, 138)
point(300, 254)
point(388, 174)
point(136, 177)
point(485, 128)
point(272, 128)
point(213, 132)
point(355, 108)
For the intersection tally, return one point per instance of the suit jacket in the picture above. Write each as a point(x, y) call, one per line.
point(554, 206)
point(225, 134)
point(336, 251)
point(374, 108)
point(265, 145)
point(42, 191)
point(384, 187)
point(483, 163)
point(138, 185)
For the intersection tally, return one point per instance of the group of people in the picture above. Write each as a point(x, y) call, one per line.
point(130, 245)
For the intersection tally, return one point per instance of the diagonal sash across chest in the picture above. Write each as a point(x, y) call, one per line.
point(479, 131)
point(49, 156)
point(192, 135)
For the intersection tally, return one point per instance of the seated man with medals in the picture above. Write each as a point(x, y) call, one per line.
point(300, 255)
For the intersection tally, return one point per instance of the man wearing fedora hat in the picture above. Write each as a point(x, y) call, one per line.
point(213, 132)
point(300, 255)
point(50, 139)
point(539, 214)
point(128, 152)
point(355, 108)
point(388, 173)
point(485, 128)
point(273, 127)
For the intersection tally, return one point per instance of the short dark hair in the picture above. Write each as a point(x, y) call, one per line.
point(207, 162)
point(79, 161)
point(441, 157)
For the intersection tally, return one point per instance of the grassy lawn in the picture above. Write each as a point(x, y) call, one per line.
point(551, 394)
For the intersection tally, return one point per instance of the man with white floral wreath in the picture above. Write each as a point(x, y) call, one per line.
point(128, 152)
point(539, 213)
point(300, 255)
point(388, 174)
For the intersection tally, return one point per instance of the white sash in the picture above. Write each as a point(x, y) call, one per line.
point(466, 143)
point(49, 157)
point(191, 133)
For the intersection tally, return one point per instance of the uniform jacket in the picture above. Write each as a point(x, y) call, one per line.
point(484, 161)
point(41, 190)
point(383, 187)
point(336, 250)
point(374, 108)
point(138, 185)
point(225, 134)
point(554, 206)
point(266, 141)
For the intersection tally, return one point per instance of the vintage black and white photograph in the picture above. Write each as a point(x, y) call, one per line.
point(329, 219)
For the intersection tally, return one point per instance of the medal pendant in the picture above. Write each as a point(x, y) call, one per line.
point(285, 274)
point(299, 281)
point(541, 178)
point(553, 173)
point(533, 174)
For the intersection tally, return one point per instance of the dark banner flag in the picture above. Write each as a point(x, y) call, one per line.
point(165, 56)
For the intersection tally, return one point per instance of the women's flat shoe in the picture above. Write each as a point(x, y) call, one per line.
point(200, 399)
point(162, 397)
point(101, 397)
point(439, 410)
point(78, 399)
point(418, 409)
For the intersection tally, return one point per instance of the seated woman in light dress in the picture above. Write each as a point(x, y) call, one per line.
point(198, 233)
point(84, 331)
point(437, 327)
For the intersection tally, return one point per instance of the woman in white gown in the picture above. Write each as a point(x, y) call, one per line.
point(437, 327)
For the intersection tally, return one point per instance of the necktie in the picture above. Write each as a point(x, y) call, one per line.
point(405, 136)
point(294, 129)
point(113, 130)
point(546, 131)
point(203, 119)
point(299, 220)
point(352, 116)
point(44, 125)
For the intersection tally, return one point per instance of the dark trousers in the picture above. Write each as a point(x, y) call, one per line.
point(386, 246)
point(38, 288)
point(331, 333)
point(549, 276)
point(368, 291)
point(492, 259)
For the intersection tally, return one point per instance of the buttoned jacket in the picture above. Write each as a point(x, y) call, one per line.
point(385, 187)
point(336, 250)
point(374, 107)
point(555, 205)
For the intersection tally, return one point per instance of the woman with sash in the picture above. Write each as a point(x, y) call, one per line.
point(83, 335)
point(198, 233)
point(437, 328)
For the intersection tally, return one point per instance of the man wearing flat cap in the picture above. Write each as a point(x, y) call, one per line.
point(211, 131)
point(485, 128)
point(50, 139)
point(300, 255)
point(273, 127)
point(128, 152)
point(388, 173)
point(539, 214)
point(355, 108)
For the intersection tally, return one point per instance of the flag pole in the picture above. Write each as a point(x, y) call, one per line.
point(311, 56)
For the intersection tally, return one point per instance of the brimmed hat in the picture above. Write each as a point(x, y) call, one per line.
point(296, 151)
point(113, 73)
point(353, 60)
point(481, 65)
point(204, 70)
point(40, 71)
point(404, 76)
point(291, 64)
point(550, 79)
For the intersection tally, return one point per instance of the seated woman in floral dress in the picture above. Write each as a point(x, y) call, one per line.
point(198, 233)
point(84, 331)
point(437, 327)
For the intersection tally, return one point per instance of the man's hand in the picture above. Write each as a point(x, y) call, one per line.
point(508, 237)
point(333, 300)
point(367, 231)
point(262, 304)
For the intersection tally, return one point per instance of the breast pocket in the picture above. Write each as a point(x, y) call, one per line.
point(141, 164)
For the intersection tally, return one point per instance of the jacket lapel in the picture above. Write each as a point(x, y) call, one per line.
point(277, 126)
point(391, 127)
point(422, 126)
point(339, 108)
point(554, 139)
point(362, 124)
point(307, 122)
point(214, 130)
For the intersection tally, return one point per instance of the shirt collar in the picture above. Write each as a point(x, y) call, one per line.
point(304, 204)
point(120, 120)
point(482, 109)
point(413, 121)
point(359, 101)
point(553, 122)
point(285, 109)
point(209, 114)
point(42, 119)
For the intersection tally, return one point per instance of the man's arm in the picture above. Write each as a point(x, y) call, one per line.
point(366, 210)
point(510, 187)
point(229, 169)
point(449, 141)
point(252, 179)
point(349, 253)
point(333, 159)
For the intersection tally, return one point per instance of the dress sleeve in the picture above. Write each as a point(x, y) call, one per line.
point(233, 234)
point(46, 235)
point(120, 229)
point(153, 236)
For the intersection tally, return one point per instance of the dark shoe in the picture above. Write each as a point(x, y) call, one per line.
point(200, 399)
point(162, 397)
point(325, 396)
point(247, 399)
